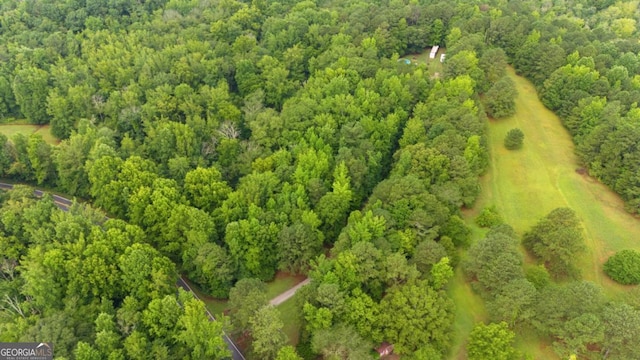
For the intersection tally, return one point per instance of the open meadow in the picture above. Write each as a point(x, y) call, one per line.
point(527, 184)
point(27, 129)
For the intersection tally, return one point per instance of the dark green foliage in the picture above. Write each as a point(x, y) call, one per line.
point(489, 217)
point(624, 267)
point(494, 261)
point(500, 99)
point(514, 139)
point(340, 341)
point(557, 240)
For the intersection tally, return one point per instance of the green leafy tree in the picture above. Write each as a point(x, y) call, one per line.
point(214, 269)
point(145, 273)
point(494, 261)
point(340, 342)
point(489, 217)
point(30, 88)
point(205, 189)
point(298, 244)
point(557, 240)
point(624, 267)
point(40, 157)
point(402, 305)
point(514, 302)
point(500, 99)
point(200, 335)
point(621, 328)
point(245, 299)
point(288, 353)
point(441, 273)
point(266, 331)
point(493, 341)
point(514, 139)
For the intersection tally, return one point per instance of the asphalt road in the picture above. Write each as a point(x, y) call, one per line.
point(64, 203)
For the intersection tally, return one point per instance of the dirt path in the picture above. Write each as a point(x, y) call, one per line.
point(288, 294)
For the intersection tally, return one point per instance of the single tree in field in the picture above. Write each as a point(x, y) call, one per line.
point(514, 139)
point(557, 241)
point(624, 267)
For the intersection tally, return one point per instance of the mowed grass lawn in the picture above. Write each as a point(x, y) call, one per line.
point(14, 128)
point(528, 183)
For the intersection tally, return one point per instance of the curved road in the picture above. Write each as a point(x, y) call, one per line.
point(64, 204)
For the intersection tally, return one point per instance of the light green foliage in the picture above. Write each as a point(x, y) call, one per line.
point(201, 335)
point(205, 189)
point(364, 314)
point(253, 246)
point(564, 82)
point(538, 276)
point(493, 341)
point(266, 331)
point(40, 158)
point(317, 318)
point(489, 217)
point(287, 353)
point(403, 304)
point(441, 273)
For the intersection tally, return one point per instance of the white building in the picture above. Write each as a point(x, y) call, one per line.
point(434, 51)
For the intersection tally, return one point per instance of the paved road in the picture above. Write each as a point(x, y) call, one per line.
point(64, 203)
point(288, 294)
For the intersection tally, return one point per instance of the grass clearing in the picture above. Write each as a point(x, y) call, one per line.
point(469, 311)
point(289, 313)
point(291, 316)
point(433, 65)
point(527, 184)
point(281, 283)
point(17, 127)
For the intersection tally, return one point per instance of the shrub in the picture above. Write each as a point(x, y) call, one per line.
point(489, 217)
point(624, 267)
point(514, 139)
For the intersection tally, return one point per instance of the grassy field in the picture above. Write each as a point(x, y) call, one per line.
point(17, 127)
point(291, 317)
point(434, 65)
point(527, 184)
point(469, 311)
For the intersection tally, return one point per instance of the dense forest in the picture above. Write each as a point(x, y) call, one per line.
point(229, 139)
